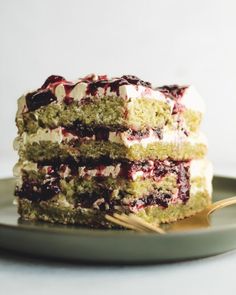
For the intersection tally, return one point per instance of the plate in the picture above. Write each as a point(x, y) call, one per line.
point(190, 238)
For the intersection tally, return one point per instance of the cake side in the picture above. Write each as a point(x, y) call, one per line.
point(101, 145)
point(60, 144)
point(137, 188)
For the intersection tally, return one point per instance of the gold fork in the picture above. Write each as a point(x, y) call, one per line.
point(133, 222)
point(137, 224)
point(220, 204)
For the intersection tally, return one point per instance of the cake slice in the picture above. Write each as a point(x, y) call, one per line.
point(102, 145)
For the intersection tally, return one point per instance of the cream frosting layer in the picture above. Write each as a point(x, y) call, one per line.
point(202, 168)
point(59, 135)
point(191, 99)
point(77, 90)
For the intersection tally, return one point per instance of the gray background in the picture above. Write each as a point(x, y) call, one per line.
point(161, 41)
point(209, 276)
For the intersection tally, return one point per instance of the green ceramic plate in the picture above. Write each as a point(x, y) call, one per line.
point(190, 238)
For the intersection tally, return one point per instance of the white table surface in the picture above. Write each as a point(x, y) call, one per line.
point(214, 275)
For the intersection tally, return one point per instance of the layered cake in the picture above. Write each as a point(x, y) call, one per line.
point(101, 145)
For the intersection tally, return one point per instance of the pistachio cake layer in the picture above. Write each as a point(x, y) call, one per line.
point(83, 144)
point(116, 103)
point(58, 212)
point(52, 193)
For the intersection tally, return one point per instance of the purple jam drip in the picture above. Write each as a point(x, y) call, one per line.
point(92, 87)
point(81, 130)
point(39, 98)
point(102, 133)
point(136, 81)
point(44, 96)
point(68, 100)
point(174, 92)
point(183, 181)
point(51, 80)
point(114, 85)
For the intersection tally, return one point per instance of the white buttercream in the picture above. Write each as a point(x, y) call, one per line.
point(57, 136)
point(24, 165)
point(111, 170)
point(79, 91)
point(60, 92)
point(168, 137)
point(202, 168)
point(134, 91)
point(137, 174)
point(192, 100)
point(125, 91)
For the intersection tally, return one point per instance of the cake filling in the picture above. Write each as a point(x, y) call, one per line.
point(104, 133)
point(80, 133)
point(44, 190)
point(38, 191)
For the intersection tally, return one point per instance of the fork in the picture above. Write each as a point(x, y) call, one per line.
point(135, 223)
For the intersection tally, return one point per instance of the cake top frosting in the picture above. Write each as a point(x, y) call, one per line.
point(58, 89)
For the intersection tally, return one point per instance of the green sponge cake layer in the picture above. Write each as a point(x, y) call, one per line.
point(105, 111)
point(54, 212)
point(197, 202)
point(109, 112)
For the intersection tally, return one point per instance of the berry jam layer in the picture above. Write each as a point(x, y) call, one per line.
point(122, 184)
point(51, 146)
point(117, 102)
point(59, 211)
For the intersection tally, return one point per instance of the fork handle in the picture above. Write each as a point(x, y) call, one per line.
point(221, 204)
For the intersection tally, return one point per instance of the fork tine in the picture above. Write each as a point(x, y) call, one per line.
point(123, 224)
point(138, 222)
point(147, 225)
point(129, 220)
point(125, 219)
